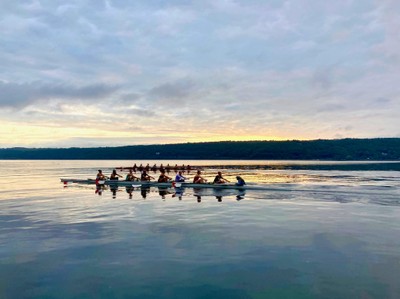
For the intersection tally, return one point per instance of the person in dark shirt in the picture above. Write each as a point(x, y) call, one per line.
point(131, 177)
point(240, 181)
point(114, 175)
point(145, 176)
point(219, 179)
point(163, 178)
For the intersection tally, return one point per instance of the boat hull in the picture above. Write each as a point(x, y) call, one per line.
point(152, 184)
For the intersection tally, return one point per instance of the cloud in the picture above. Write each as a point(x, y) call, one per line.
point(175, 90)
point(291, 69)
point(20, 95)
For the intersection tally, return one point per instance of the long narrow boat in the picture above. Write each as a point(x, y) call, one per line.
point(154, 184)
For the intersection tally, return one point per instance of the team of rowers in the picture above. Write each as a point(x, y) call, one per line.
point(167, 168)
point(163, 178)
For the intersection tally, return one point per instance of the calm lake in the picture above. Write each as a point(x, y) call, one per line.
point(312, 232)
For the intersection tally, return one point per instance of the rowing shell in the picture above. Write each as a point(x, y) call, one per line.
point(152, 184)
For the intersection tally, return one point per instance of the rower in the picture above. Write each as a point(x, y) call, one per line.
point(163, 178)
point(114, 175)
point(100, 176)
point(219, 179)
point(145, 176)
point(240, 181)
point(131, 177)
point(179, 177)
point(198, 179)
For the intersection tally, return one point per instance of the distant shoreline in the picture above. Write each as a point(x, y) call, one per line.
point(376, 149)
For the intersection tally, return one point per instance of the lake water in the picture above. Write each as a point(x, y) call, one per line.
point(308, 234)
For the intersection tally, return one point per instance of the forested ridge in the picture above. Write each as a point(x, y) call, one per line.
point(338, 149)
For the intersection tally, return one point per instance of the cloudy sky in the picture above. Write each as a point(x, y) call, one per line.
point(117, 72)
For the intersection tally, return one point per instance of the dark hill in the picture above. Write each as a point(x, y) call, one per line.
point(340, 149)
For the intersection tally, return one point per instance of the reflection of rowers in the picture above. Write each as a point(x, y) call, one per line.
point(144, 191)
point(162, 192)
point(129, 190)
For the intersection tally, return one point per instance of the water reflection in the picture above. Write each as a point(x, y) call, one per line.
point(165, 192)
point(144, 191)
point(114, 190)
point(162, 191)
point(99, 189)
point(129, 190)
point(177, 192)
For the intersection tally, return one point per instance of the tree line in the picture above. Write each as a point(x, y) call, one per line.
point(337, 149)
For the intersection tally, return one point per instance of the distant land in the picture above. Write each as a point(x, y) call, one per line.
point(380, 149)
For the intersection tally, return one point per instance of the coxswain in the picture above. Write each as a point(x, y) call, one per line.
point(240, 181)
point(219, 179)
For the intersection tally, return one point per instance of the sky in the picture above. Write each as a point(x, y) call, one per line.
point(108, 73)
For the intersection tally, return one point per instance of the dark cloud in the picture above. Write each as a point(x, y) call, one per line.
point(331, 107)
point(381, 102)
point(322, 78)
point(140, 112)
point(176, 90)
point(20, 95)
point(130, 97)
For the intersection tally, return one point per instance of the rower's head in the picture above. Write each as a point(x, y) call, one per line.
point(219, 172)
point(99, 171)
point(198, 171)
point(180, 172)
point(114, 171)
